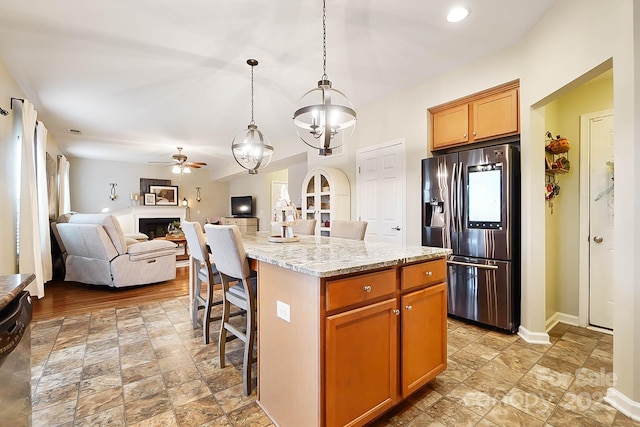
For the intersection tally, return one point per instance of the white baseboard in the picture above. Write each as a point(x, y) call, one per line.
point(599, 329)
point(533, 337)
point(557, 317)
point(569, 319)
point(623, 404)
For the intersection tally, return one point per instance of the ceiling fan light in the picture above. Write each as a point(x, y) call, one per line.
point(176, 169)
point(186, 169)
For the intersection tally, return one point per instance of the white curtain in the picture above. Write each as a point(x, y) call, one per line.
point(29, 242)
point(43, 201)
point(64, 199)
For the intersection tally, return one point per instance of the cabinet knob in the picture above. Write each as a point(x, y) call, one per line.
point(408, 307)
point(464, 136)
point(428, 273)
point(474, 134)
point(396, 312)
point(367, 288)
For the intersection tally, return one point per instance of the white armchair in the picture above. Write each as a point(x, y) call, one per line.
point(97, 253)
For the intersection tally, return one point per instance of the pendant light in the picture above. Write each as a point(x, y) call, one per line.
point(251, 149)
point(325, 115)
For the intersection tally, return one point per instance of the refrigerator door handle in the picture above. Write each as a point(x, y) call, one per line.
point(460, 195)
point(453, 198)
point(470, 264)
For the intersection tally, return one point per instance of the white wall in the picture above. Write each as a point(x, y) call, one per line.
point(296, 174)
point(89, 180)
point(8, 173)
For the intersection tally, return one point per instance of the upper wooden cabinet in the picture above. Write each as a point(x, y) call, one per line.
point(485, 115)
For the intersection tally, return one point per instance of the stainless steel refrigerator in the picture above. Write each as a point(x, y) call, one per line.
point(471, 204)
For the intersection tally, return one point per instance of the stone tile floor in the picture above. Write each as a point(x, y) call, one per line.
point(145, 366)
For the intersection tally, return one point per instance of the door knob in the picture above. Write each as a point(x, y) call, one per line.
point(397, 228)
point(598, 239)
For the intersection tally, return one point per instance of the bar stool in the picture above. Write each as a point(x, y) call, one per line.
point(354, 230)
point(233, 265)
point(305, 226)
point(203, 271)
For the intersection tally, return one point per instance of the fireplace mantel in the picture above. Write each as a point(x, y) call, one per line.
point(128, 218)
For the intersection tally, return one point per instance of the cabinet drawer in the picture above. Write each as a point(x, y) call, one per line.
point(354, 290)
point(425, 273)
point(239, 221)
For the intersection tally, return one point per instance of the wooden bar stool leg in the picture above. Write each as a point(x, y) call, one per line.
point(222, 339)
point(196, 302)
point(206, 315)
point(248, 351)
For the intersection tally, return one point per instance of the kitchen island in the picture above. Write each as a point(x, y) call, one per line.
point(346, 329)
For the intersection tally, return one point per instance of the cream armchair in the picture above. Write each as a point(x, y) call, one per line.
point(97, 253)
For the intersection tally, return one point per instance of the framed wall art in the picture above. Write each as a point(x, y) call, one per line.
point(149, 199)
point(166, 195)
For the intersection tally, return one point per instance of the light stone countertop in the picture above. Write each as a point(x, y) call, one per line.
point(331, 256)
point(11, 285)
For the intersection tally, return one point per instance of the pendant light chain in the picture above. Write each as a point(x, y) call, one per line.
point(252, 121)
point(325, 116)
point(324, 40)
point(251, 148)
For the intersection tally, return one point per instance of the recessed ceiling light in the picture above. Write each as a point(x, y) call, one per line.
point(457, 14)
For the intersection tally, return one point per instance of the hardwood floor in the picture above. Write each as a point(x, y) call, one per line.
point(70, 298)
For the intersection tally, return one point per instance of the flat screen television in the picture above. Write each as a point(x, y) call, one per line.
point(242, 206)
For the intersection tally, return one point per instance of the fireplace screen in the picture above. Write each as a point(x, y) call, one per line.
point(155, 227)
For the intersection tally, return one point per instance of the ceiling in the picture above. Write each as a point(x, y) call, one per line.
point(139, 78)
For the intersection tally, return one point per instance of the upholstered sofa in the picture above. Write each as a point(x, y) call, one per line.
point(97, 253)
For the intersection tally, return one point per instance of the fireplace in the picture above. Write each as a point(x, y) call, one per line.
point(131, 219)
point(155, 227)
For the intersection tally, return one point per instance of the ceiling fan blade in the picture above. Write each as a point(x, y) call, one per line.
point(193, 166)
point(199, 163)
point(163, 163)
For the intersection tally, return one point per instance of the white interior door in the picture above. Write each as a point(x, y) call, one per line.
point(380, 188)
point(601, 248)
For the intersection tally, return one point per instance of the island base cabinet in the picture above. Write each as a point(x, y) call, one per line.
point(361, 364)
point(424, 336)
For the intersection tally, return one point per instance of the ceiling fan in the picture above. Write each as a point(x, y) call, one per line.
point(180, 164)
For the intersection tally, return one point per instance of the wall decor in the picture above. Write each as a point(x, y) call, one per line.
point(150, 199)
point(145, 183)
point(166, 195)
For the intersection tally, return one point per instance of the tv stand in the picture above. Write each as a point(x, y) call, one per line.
point(245, 224)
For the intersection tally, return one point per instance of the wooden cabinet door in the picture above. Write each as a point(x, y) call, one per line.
point(451, 126)
point(495, 116)
point(423, 336)
point(361, 364)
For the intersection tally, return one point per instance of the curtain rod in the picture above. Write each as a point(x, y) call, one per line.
point(16, 99)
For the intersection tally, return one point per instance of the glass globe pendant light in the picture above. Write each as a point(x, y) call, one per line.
point(325, 116)
point(250, 147)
